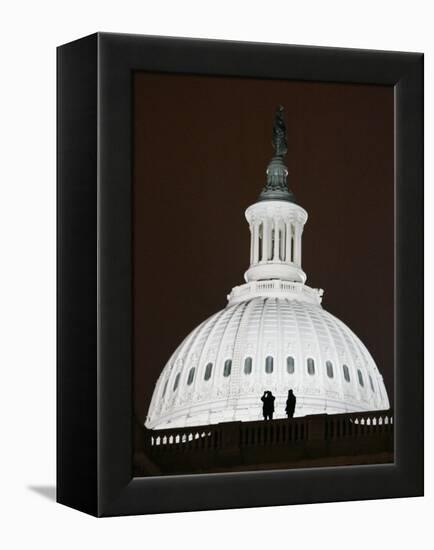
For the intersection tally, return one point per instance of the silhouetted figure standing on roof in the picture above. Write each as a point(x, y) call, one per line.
point(268, 405)
point(290, 404)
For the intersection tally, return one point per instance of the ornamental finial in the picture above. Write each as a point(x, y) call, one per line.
point(276, 187)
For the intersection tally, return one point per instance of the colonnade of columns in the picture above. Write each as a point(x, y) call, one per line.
point(275, 240)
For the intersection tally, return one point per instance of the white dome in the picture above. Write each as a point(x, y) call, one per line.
point(273, 335)
point(311, 351)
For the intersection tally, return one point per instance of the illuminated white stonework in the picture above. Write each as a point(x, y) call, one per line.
point(272, 335)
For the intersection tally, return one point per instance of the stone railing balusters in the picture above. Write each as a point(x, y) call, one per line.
point(279, 432)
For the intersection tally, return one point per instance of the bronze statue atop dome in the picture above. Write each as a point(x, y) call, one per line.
point(276, 187)
point(280, 141)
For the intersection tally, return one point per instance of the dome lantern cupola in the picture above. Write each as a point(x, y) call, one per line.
point(276, 221)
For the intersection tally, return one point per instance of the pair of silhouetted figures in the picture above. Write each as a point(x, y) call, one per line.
point(268, 405)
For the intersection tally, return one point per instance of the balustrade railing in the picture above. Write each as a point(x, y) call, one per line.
point(202, 437)
point(358, 424)
point(269, 433)
point(271, 287)
point(276, 432)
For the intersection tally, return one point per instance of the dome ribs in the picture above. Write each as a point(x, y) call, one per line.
point(280, 354)
point(260, 356)
point(336, 359)
point(319, 357)
point(204, 360)
point(238, 353)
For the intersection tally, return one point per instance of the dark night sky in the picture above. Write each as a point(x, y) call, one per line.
point(201, 147)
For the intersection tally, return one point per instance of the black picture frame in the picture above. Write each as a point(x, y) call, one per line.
point(94, 372)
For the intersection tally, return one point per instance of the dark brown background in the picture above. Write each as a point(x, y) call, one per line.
point(201, 147)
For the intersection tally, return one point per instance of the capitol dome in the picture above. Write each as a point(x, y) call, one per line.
point(273, 334)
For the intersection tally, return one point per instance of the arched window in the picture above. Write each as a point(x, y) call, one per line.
point(310, 366)
point(247, 365)
point(346, 373)
point(271, 251)
point(360, 377)
point(227, 368)
point(175, 385)
point(292, 242)
point(208, 371)
point(190, 376)
point(281, 245)
point(261, 241)
point(269, 364)
point(329, 369)
point(290, 365)
point(164, 389)
point(372, 384)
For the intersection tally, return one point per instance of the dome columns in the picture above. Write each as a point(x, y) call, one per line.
point(276, 228)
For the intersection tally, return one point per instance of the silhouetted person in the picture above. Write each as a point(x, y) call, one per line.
point(290, 404)
point(268, 405)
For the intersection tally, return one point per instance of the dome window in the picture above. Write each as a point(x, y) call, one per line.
point(164, 389)
point(208, 371)
point(290, 365)
point(329, 369)
point(310, 366)
point(176, 384)
point(190, 376)
point(346, 373)
point(359, 374)
point(372, 384)
point(269, 364)
point(227, 368)
point(247, 365)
